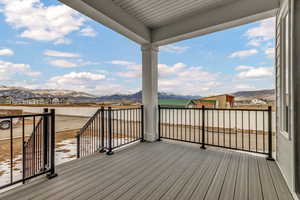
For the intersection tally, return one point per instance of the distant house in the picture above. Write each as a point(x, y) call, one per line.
point(59, 100)
point(6, 100)
point(219, 101)
point(45, 100)
point(198, 103)
point(258, 101)
point(182, 103)
point(242, 102)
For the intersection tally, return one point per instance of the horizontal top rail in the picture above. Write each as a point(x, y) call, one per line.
point(26, 115)
point(229, 109)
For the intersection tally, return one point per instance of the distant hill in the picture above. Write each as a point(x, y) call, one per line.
point(268, 95)
point(20, 93)
point(138, 97)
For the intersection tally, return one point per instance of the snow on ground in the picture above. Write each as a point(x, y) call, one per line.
point(65, 151)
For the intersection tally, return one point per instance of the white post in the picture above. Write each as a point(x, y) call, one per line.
point(150, 87)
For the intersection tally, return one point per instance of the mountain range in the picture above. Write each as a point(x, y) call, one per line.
point(20, 93)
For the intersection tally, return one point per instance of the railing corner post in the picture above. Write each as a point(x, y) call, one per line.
point(142, 124)
point(159, 123)
point(78, 145)
point(102, 150)
point(203, 128)
point(46, 137)
point(109, 152)
point(52, 173)
point(270, 139)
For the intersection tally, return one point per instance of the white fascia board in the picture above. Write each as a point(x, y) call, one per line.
point(234, 14)
point(112, 16)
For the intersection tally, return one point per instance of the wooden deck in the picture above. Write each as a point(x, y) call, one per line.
point(161, 170)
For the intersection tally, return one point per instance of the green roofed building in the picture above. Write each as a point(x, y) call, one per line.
point(183, 103)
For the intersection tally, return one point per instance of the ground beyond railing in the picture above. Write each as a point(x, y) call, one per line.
point(36, 151)
point(240, 129)
point(109, 129)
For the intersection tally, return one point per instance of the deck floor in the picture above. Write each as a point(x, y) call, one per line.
point(161, 170)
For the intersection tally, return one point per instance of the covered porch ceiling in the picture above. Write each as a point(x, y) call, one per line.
point(165, 21)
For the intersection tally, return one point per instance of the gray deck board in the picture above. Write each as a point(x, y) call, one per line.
point(162, 170)
point(241, 190)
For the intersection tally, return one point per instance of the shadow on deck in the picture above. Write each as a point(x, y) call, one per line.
point(161, 170)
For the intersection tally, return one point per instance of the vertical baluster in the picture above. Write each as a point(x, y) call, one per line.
point(224, 129)
point(249, 125)
point(242, 130)
point(236, 130)
point(203, 128)
point(264, 132)
point(142, 123)
point(256, 131)
point(23, 151)
point(33, 146)
point(218, 111)
point(230, 132)
point(11, 150)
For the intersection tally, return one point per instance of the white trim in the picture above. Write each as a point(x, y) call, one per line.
point(231, 15)
point(112, 16)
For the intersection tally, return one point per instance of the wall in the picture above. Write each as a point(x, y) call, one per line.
point(72, 111)
point(296, 64)
point(286, 155)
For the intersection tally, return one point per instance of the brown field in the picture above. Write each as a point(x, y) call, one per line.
point(5, 152)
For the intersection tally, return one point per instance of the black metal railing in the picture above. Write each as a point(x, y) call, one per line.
point(109, 129)
point(31, 145)
point(240, 129)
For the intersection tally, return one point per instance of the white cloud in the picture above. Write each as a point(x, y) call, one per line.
point(270, 52)
point(70, 63)
point(265, 31)
point(93, 83)
point(179, 77)
point(245, 87)
point(170, 48)
point(88, 31)
point(6, 52)
point(60, 54)
point(121, 62)
point(244, 53)
point(40, 22)
point(256, 73)
point(243, 67)
point(63, 63)
point(7, 69)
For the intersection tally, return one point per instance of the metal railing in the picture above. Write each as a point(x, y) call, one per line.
point(240, 129)
point(109, 129)
point(35, 151)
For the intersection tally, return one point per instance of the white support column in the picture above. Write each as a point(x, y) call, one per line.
point(150, 87)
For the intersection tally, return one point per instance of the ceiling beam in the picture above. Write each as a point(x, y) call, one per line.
point(112, 16)
point(231, 15)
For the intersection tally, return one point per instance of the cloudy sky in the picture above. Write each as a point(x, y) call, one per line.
point(46, 45)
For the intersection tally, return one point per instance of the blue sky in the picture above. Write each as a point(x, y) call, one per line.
point(51, 46)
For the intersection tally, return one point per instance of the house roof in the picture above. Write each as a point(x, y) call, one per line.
point(162, 22)
point(217, 96)
point(179, 102)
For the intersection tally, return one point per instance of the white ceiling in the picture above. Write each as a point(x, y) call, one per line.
point(158, 13)
point(165, 21)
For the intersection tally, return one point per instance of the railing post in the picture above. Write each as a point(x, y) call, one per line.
point(78, 145)
point(52, 173)
point(159, 123)
point(203, 128)
point(270, 141)
point(142, 124)
point(109, 152)
point(46, 137)
point(24, 163)
point(102, 150)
